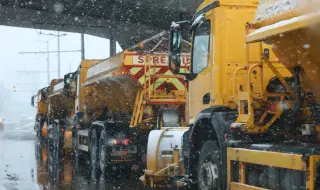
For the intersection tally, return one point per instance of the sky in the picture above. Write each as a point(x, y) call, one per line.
point(28, 72)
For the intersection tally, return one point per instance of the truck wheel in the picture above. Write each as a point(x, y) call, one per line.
point(253, 177)
point(274, 178)
point(292, 180)
point(75, 142)
point(94, 150)
point(56, 137)
point(103, 151)
point(60, 141)
point(209, 170)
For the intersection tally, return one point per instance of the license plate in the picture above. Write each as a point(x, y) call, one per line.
point(131, 149)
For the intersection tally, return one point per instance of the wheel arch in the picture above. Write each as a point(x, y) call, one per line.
point(208, 122)
point(211, 124)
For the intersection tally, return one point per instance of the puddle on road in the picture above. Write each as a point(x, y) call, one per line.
point(26, 164)
point(58, 170)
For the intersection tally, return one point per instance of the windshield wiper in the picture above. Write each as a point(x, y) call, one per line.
point(197, 22)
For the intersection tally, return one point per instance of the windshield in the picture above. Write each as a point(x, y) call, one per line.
point(201, 44)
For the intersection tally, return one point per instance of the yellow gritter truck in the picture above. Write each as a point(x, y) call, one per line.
point(41, 102)
point(253, 98)
point(62, 100)
point(127, 95)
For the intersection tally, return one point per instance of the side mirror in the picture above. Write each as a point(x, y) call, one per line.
point(32, 101)
point(43, 96)
point(66, 86)
point(174, 59)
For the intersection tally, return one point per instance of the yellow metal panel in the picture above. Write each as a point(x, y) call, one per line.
point(230, 52)
point(283, 27)
point(83, 92)
point(275, 159)
point(252, 3)
point(239, 186)
point(242, 172)
point(312, 171)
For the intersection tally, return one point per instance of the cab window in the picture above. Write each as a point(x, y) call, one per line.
point(201, 45)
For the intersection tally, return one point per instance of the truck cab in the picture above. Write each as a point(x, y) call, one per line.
point(40, 102)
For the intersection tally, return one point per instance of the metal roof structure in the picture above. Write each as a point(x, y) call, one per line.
point(126, 21)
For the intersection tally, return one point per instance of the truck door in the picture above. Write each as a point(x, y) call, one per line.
point(200, 89)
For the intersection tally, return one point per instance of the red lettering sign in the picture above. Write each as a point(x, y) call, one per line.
point(156, 60)
point(163, 60)
point(140, 59)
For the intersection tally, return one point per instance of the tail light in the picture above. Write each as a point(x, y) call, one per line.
point(121, 141)
point(127, 141)
point(63, 129)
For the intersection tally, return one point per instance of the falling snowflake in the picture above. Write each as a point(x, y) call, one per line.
point(58, 7)
point(306, 46)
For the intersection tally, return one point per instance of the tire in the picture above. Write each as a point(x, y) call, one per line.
point(75, 143)
point(292, 180)
point(253, 177)
point(49, 143)
point(56, 137)
point(103, 157)
point(274, 178)
point(264, 179)
point(209, 170)
point(94, 150)
point(60, 142)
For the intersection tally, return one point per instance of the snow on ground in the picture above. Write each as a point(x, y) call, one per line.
point(18, 131)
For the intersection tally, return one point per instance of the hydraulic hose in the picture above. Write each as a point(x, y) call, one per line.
point(297, 92)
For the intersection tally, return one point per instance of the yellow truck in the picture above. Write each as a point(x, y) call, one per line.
point(61, 107)
point(124, 97)
point(253, 98)
point(40, 101)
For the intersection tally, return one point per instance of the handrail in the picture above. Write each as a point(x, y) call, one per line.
point(249, 75)
point(234, 80)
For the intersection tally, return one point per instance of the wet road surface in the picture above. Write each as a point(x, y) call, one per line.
point(27, 164)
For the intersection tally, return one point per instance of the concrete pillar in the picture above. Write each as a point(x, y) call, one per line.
point(82, 47)
point(113, 49)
